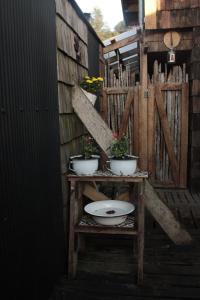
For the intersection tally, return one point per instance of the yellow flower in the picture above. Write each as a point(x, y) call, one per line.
point(100, 78)
point(89, 81)
point(87, 77)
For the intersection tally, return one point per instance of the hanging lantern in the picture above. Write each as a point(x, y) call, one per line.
point(171, 41)
point(171, 57)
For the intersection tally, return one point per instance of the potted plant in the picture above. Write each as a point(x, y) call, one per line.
point(121, 163)
point(91, 86)
point(87, 162)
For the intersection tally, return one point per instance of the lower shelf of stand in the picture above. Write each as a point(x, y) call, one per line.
point(87, 225)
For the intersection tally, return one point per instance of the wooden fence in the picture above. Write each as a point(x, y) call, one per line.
point(167, 121)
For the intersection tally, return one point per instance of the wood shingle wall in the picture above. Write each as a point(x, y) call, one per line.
point(165, 14)
point(74, 61)
point(195, 113)
point(72, 65)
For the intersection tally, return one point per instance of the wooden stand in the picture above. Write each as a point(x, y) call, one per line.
point(77, 224)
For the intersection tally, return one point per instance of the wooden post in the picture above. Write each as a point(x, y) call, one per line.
point(140, 233)
point(184, 135)
point(143, 110)
point(71, 246)
point(151, 132)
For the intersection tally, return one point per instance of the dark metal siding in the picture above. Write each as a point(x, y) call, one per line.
point(31, 228)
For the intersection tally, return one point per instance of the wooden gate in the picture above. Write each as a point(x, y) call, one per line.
point(167, 127)
point(119, 109)
point(155, 120)
point(168, 134)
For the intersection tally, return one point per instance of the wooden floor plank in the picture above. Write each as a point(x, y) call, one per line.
point(108, 270)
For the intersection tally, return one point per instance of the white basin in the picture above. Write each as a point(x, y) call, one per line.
point(109, 212)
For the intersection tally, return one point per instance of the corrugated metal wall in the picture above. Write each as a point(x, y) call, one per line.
point(31, 242)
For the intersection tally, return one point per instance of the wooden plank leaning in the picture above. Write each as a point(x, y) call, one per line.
point(164, 217)
point(91, 119)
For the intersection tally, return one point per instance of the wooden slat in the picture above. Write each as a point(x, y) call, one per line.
point(184, 136)
point(143, 111)
point(167, 134)
point(150, 14)
point(171, 86)
point(90, 192)
point(116, 90)
point(135, 124)
point(168, 20)
point(65, 33)
point(125, 115)
point(121, 43)
point(159, 46)
point(68, 13)
point(160, 4)
point(104, 106)
point(164, 217)
point(151, 131)
point(72, 255)
point(105, 230)
point(91, 119)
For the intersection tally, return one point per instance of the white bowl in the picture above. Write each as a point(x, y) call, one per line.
point(109, 212)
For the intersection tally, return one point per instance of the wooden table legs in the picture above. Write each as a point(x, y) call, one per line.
point(140, 233)
point(71, 241)
point(76, 190)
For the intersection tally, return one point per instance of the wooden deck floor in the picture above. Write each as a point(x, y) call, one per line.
point(108, 270)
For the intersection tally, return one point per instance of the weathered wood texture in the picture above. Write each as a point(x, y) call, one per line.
point(194, 127)
point(114, 102)
point(171, 272)
point(72, 66)
point(120, 110)
point(176, 4)
point(167, 149)
point(165, 14)
point(164, 217)
point(65, 10)
point(143, 150)
point(155, 41)
point(119, 78)
point(91, 119)
point(150, 14)
point(69, 71)
point(70, 43)
point(121, 43)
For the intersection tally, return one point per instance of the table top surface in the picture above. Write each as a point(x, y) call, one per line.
point(138, 176)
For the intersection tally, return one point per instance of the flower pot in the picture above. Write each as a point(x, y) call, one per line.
point(126, 166)
point(83, 166)
point(91, 97)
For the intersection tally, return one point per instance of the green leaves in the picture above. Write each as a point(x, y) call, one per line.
point(89, 147)
point(119, 147)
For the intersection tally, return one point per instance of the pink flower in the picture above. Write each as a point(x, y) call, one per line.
point(115, 135)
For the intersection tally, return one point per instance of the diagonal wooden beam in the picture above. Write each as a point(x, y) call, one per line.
point(126, 112)
point(94, 123)
point(163, 215)
point(167, 134)
point(120, 44)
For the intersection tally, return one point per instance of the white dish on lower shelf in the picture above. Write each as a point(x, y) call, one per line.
point(109, 212)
